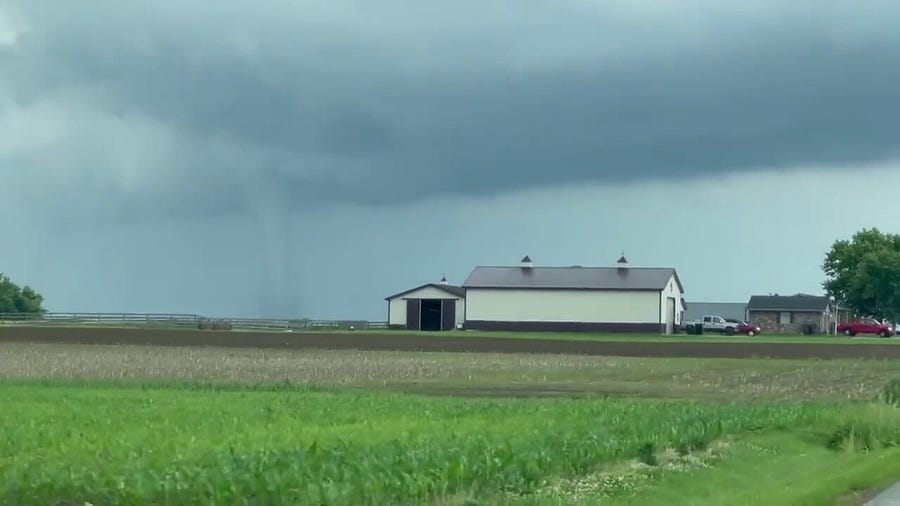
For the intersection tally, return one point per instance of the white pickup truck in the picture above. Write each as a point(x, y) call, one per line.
point(715, 323)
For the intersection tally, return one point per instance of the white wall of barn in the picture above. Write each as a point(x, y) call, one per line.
point(397, 311)
point(484, 304)
point(460, 311)
point(671, 290)
point(397, 306)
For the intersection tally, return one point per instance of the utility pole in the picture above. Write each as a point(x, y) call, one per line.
point(836, 312)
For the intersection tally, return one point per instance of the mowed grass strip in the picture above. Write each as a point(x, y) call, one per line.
point(505, 375)
point(165, 445)
point(795, 471)
point(778, 468)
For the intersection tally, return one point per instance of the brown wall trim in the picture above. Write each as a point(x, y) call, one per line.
point(643, 328)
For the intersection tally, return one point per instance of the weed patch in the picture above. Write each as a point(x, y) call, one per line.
point(872, 427)
point(891, 392)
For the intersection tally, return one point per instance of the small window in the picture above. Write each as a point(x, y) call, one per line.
point(784, 318)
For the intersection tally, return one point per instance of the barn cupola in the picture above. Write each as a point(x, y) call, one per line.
point(527, 263)
point(622, 263)
point(444, 280)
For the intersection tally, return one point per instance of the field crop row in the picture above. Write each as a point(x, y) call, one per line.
point(169, 445)
point(485, 374)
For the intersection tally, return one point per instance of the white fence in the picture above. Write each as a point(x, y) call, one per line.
point(183, 320)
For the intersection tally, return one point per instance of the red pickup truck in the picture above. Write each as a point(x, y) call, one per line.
point(866, 326)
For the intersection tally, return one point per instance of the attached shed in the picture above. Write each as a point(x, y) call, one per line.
point(615, 299)
point(432, 306)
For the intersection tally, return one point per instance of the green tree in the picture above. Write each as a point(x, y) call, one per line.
point(863, 273)
point(15, 299)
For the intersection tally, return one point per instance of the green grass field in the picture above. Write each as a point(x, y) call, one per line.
point(145, 425)
point(705, 338)
point(180, 445)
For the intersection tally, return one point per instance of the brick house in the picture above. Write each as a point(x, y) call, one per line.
point(791, 314)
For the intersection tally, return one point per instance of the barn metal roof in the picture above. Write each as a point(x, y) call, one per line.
point(583, 278)
point(451, 289)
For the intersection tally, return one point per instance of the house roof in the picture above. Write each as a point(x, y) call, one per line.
point(584, 278)
point(800, 302)
point(451, 289)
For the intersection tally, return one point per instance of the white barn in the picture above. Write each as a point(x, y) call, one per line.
point(613, 299)
point(432, 306)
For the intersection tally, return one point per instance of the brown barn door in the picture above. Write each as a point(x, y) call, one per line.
point(413, 313)
point(448, 314)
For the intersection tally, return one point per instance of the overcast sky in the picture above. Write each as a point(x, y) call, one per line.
point(305, 158)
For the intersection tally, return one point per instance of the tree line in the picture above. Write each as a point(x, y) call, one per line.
point(863, 274)
point(16, 299)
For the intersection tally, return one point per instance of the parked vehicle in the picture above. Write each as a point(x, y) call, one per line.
point(743, 327)
point(715, 323)
point(866, 326)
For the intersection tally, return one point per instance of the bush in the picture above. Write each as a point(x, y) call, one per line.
point(647, 454)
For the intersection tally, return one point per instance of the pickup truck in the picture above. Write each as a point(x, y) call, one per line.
point(716, 323)
point(866, 326)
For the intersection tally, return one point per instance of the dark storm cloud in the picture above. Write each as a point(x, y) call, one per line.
point(208, 104)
